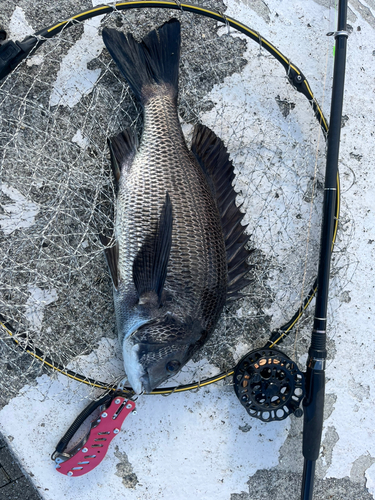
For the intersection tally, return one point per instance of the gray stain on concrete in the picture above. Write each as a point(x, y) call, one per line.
point(245, 428)
point(285, 106)
point(279, 485)
point(358, 7)
point(260, 7)
point(359, 467)
point(329, 402)
point(328, 4)
point(326, 449)
point(365, 11)
point(125, 470)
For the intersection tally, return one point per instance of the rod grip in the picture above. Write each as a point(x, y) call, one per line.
point(313, 413)
point(308, 480)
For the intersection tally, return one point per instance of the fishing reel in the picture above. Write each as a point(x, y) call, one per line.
point(269, 385)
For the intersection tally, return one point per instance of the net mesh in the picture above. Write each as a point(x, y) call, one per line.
point(57, 192)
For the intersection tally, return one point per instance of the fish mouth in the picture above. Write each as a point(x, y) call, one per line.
point(136, 374)
point(146, 384)
point(140, 380)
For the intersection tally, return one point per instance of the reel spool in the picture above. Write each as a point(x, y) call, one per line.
point(269, 385)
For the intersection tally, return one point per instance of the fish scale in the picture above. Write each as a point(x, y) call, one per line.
point(197, 252)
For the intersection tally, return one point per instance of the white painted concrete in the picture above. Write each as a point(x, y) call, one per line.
point(20, 213)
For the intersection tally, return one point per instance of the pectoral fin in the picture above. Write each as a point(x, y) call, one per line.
point(151, 262)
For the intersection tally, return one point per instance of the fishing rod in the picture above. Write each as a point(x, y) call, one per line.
point(313, 404)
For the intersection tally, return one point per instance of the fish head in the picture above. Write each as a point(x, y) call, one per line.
point(158, 350)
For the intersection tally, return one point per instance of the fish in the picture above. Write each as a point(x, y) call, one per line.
point(179, 251)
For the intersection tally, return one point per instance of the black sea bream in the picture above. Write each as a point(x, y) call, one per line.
point(179, 245)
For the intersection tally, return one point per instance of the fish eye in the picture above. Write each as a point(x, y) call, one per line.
point(173, 365)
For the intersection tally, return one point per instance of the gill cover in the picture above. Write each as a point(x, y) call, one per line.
point(162, 347)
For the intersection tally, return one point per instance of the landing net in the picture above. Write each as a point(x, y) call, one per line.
point(57, 193)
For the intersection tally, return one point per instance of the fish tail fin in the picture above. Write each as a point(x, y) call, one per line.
point(154, 61)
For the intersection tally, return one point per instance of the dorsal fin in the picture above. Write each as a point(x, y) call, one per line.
point(214, 160)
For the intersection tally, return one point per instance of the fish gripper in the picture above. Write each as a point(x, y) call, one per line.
point(91, 450)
